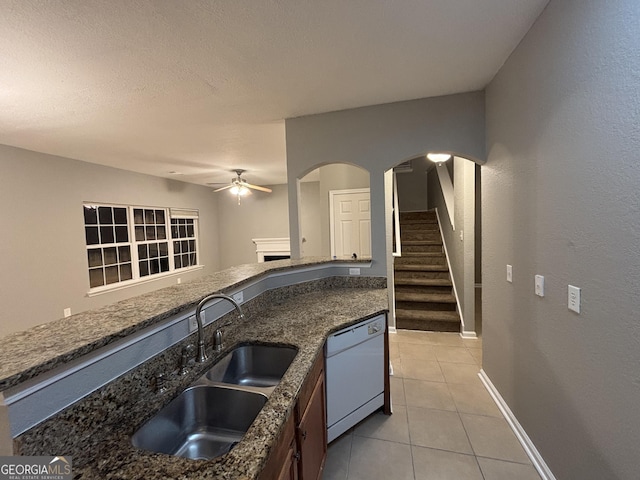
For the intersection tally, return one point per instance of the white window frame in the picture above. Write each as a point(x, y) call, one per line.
point(169, 213)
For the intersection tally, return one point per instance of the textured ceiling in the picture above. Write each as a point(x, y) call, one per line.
point(201, 87)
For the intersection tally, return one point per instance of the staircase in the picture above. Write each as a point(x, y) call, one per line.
point(423, 288)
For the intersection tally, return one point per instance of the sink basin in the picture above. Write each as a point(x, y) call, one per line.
point(259, 366)
point(203, 422)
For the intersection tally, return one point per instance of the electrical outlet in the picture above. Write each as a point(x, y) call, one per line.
point(539, 285)
point(179, 280)
point(238, 297)
point(573, 299)
point(193, 324)
point(67, 312)
point(354, 271)
point(509, 274)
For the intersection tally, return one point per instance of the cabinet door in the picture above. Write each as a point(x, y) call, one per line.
point(312, 435)
point(290, 467)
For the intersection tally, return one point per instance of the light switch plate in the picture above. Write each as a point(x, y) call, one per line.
point(509, 274)
point(573, 298)
point(539, 285)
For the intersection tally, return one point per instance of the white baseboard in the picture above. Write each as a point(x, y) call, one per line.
point(529, 448)
point(393, 330)
point(471, 335)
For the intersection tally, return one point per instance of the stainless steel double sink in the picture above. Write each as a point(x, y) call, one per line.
point(211, 416)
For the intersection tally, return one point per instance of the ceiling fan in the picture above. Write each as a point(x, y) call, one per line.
point(240, 187)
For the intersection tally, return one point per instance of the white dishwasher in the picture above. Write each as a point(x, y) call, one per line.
point(354, 374)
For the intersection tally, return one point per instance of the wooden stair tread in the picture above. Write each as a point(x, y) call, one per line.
point(439, 315)
point(420, 267)
point(427, 282)
point(425, 297)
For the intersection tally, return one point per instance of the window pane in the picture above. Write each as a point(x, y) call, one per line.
point(105, 215)
point(124, 254)
point(183, 231)
point(185, 246)
point(174, 231)
point(122, 235)
point(153, 250)
point(125, 272)
point(111, 275)
point(151, 233)
point(176, 247)
point(190, 230)
point(154, 266)
point(192, 245)
point(161, 233)
point(120, 216)
point(149, 217)
point(177, 260)
point(96, 278)
point(95, 257)
point(159, 216)
point(138, 217)
point(185, 259)
point(194, 260)
point(91, 234)
point(139, 234)
point(164, 264)
point(144, 268)
point(163, 249)
point(110, 256)
point(90, 215)
point(142, 252)
point(106, 235)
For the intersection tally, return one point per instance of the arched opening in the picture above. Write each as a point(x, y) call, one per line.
point(433, 244)
point(335, 219)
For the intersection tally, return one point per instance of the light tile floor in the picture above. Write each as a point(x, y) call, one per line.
point(444, 426)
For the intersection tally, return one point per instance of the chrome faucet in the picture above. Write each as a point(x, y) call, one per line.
point(201, 355)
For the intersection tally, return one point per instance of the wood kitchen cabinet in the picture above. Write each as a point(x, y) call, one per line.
point(301, 450)
point(311, 431)
point(283, 460)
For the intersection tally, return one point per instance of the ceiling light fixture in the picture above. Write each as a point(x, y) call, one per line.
point(438, 157)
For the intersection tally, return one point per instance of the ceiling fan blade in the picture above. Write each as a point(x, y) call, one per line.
point(257, 187)
point(222, 188)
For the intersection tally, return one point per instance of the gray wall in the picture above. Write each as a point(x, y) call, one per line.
point(560, 198)
point(412, 187)
point(43, 266)
point(459, 250)
point(377, 138)
point(263, 215)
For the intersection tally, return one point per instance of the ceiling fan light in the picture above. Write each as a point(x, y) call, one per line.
point(438, 157)
point(239, 190)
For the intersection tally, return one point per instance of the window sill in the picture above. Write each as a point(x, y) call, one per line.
point(140, 281)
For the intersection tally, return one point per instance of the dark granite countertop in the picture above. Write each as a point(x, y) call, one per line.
point(303, 319)
point(60, 341)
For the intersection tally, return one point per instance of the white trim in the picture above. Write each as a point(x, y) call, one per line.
point(271, 246)
point(469, 335)
point(140, 281)
point(453, 282)
point(530, 449)
point(332, 193)
point(396, 217)
point(393, 330)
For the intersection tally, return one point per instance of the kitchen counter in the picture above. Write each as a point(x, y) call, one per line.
point(63, 340)
point(96, 430)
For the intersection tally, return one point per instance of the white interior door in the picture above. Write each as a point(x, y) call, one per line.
point(350, 222)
